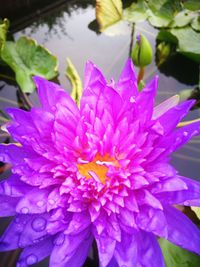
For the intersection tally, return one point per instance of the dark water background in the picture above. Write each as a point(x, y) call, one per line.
point(63, 28)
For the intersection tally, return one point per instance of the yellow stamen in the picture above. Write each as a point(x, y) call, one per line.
point(97, 167)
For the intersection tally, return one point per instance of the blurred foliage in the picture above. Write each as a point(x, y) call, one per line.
point(3, 31)
point(26, 58)
point(177, 257)
point(75, 80)
point(108, 12)
point(178, 21)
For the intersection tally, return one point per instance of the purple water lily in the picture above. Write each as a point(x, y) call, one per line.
point(99, 173)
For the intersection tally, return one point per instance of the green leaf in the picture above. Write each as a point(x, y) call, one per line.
point(108, 12)
point(159, 19)
point(182, 19)
point(196, 24)
point(192, 5)
point(188, 42)
point(3, 31)
point(166, 36)
point(161, 12)
point(119, 28)
point(136, 12)
point(75, 80)
point(27, 58)
point(178, 257)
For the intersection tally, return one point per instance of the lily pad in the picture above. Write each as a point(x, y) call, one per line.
point(178, 257)
point(196, 24)
point(136, 12)
point(119, 28)
point(188, 42)
point(27, 58)
point(3, 31)
point(192, 5)
point(108, 12)
point(75, 80)
point(159, 13)
point(182, 19)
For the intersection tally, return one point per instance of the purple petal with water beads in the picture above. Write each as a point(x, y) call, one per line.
point(7, 205)
point(35, 253)
point(34, 231)
point(35, 201)
point(13, 232)
point(71, 250)
point(13, 187)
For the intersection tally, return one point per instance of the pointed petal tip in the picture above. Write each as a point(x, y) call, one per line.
point(92, 74)
point(128, 70)
point(37, 79)
point(89, 66)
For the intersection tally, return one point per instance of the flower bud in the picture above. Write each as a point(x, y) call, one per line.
point(142, 53)
point(162, 53)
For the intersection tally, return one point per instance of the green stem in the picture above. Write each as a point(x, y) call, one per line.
point(25, 99)
point(3, 119)
point(132, 37)
point(6, 77)
point(3, 99)
point(199, 78)
point(140, 74)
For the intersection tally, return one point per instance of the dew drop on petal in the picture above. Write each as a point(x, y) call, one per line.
point(31, 259)
point(53, 108)
point(17, 220)
point(24, 210)
point(39, 224)
point(40, 203)
point(51, 201)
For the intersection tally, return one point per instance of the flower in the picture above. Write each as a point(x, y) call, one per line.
point(100, 173)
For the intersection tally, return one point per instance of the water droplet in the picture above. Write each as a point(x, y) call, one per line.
point(53, 108)
point(59, 240)
point(39, 224)
point(31, 259)
point(18, 264)
point(24, 210)
point(51, 201)
point(40, 203)
point(17, 220)
point(185, 133)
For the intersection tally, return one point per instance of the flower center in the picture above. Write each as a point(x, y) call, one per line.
point(98, 168)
